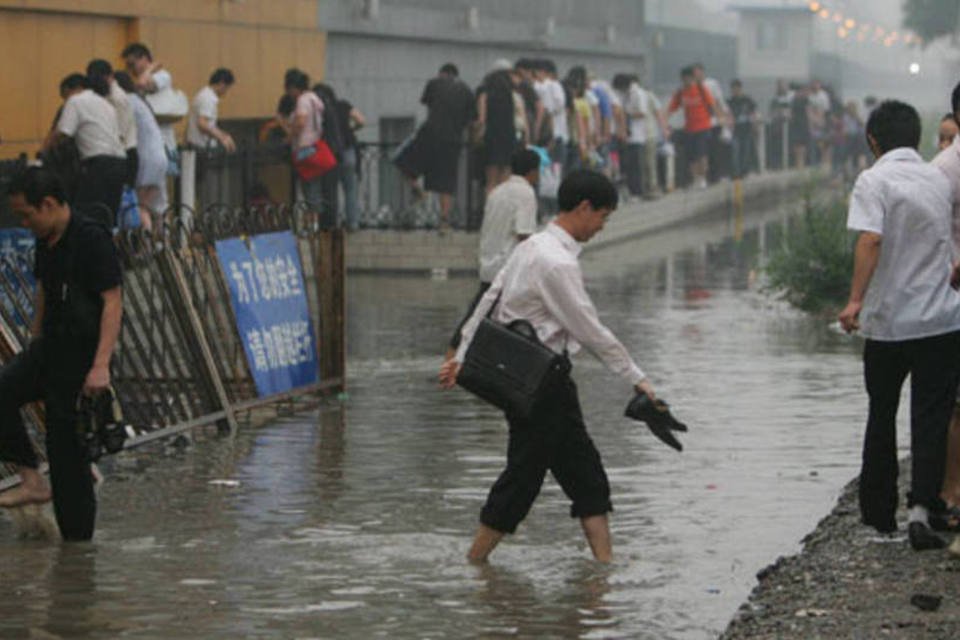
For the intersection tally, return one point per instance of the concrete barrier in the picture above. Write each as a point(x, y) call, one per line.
point(456, 252)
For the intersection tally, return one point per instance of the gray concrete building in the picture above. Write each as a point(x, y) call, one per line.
point(380, 53)
point(681, 32)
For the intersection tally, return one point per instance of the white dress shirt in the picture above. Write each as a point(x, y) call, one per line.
point(92, 122)
point(205, 105)
point(555, 102)
point(128, 126)
point(716, 91)
point(543, 284)
point(910, 204)
point(510, 211)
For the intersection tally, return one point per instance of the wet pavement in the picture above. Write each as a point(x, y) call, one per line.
point(353, 522)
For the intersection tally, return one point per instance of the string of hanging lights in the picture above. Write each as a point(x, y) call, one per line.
point(848, 27)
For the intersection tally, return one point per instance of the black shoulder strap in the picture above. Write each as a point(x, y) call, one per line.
point(494, 305)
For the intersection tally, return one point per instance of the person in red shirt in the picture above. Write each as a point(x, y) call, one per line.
point(698, 106)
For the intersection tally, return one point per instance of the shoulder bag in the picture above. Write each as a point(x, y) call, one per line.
point(509, 367)
point(168, 105)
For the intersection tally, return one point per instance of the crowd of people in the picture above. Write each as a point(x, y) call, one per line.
point(113, 141)
point(579, 121)
point(623, 129)
point(818, 127)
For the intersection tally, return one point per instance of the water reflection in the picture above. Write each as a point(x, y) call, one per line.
point(353, 522)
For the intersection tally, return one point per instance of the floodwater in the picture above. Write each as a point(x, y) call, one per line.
point(353, 522)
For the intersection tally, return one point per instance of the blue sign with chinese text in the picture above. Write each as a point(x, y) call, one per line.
point(266, 285)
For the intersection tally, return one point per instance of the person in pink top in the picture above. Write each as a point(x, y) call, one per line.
point(306, 127)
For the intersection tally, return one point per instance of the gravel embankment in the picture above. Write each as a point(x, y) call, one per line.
point(850, 582)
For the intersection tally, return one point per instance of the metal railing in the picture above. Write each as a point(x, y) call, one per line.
point(385, 197)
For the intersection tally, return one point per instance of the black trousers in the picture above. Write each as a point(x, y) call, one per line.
point(934, 368)
point(633, 160)
point(35, 375)
point(457, 337)
point(100, 188)
point(554, 438)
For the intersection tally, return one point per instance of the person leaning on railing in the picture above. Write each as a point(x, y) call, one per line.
point(77, 314)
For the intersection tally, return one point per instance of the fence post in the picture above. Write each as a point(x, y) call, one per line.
point(762, 148)
point(175, 281)
point(785, 146)
point(188, 186)
point(329, 271)
point(670, 162)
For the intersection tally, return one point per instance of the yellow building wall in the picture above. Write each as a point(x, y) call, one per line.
point(41, 41)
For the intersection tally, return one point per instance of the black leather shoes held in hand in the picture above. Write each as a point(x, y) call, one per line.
point(656, 413)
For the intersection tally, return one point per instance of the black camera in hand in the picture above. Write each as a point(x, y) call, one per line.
point(100, 424)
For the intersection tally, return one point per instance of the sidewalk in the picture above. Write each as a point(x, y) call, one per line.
point(850, 582)
point(456, 252)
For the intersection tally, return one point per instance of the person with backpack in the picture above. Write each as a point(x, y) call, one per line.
point(698, 108)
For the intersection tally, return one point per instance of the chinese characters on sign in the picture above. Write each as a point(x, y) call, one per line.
point(267, 291)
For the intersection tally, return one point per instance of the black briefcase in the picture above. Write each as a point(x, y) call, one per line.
point(510, 368)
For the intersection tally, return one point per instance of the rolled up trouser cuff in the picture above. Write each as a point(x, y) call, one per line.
point(589, 510)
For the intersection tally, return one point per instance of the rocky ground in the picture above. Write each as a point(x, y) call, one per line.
point(850, 582)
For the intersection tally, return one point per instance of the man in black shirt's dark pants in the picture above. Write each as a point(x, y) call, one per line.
point(76, 325)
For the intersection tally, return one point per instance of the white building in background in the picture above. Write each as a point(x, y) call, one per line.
point(681, 32)
point(841, 48)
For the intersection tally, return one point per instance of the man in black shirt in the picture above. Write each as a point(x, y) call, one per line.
point(743, 111)
point(435, 151)
point(76, 323)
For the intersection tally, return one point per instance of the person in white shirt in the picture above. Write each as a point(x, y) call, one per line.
point(542, 283)
point(202, 130)
point(902, 302)
point(128, 128)
point(819, 115)
point(91, 121)
point(555, 103)
point(633, 154)
point(509, 218)
point(150, 77)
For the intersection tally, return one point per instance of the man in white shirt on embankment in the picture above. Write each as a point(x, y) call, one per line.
point(509, 218)
point(202, 129)
point(542, 284)
point(902, 302)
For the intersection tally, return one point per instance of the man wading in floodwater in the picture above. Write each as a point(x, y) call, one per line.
point(903, 304)
point(542, 283)
point(76, 324)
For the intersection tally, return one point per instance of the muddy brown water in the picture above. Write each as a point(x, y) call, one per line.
point(353, 521)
